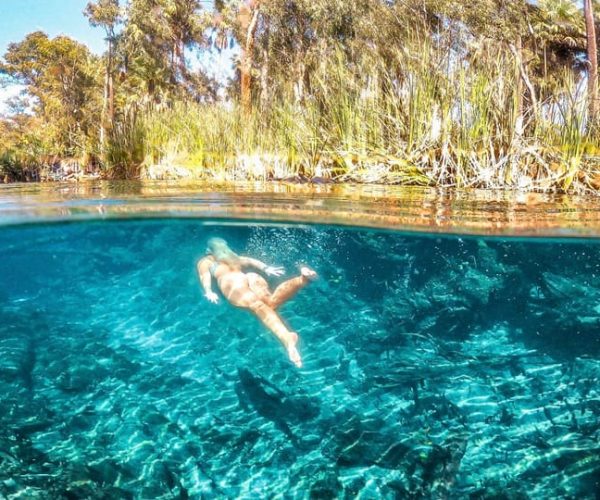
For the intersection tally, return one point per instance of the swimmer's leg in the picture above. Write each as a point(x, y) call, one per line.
point(289, 288)
point(273, 322)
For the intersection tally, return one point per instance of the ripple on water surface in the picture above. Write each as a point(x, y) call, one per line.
point(434, 367)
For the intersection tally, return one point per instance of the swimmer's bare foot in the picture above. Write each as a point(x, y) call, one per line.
point(308, 273)
point(292, 350)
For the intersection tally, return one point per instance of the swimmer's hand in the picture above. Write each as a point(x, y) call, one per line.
point(212, 297)
point(274, 270)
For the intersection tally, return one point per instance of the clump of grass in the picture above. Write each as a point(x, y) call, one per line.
point(23, 162)
point(13, 166)
point(125, 151)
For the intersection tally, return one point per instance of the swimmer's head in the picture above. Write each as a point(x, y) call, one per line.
point(216, 245)
point(218, 248)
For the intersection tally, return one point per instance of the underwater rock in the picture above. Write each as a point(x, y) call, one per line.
point(117, 364)
point(92, 491)
point(80, 378)
point(320, 480)
point(163, 476)
point(17, 357)
point(355, 442)
point(106, 472)
point(442, 465)
point(273, 404)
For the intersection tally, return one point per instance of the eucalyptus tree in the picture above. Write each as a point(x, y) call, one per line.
point(186, 24)
point(106, 14)
point(152, 51)
point(297, 37)
point(241, 19)
point(248, 16)
point(143, 52)
point(62, 76)
point(569, 35)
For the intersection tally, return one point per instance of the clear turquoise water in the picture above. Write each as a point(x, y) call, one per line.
point(434, 367)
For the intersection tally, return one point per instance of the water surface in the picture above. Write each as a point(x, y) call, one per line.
point(385, 207)
point(436, 366)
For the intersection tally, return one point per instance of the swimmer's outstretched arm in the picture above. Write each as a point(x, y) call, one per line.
point(203, 269)
point(261, 266)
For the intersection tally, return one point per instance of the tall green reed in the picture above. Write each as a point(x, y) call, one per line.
point(435, 118)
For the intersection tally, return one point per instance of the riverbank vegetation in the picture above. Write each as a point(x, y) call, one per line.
point(502, 93)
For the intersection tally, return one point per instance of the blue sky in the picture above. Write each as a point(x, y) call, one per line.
point(55, 17)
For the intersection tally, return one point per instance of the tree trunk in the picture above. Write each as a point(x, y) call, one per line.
point(518, 54)
point(111, 89)
point(300, 75)
point(173, 61)
point(264, 74)
point(108, 101)
point(247, 60)
point(177, 60)
point(592, 55)
point(103, 116)
point(181, 54)
point(519, 124)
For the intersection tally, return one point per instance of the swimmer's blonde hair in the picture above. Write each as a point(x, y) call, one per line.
point(219, 249)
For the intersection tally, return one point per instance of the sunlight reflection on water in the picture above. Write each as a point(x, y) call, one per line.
point(384, 207)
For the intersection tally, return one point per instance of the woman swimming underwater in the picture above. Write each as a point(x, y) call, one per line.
point(250, 290)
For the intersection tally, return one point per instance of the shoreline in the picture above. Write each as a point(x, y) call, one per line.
point(583, 184)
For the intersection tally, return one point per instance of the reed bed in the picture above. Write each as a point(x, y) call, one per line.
point(436, 119)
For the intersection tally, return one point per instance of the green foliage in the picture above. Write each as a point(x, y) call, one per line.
point(104, 13)
point(437, 92)
point(125, 151)
point(63, 78)
point(363, 123)
point(151, 50)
